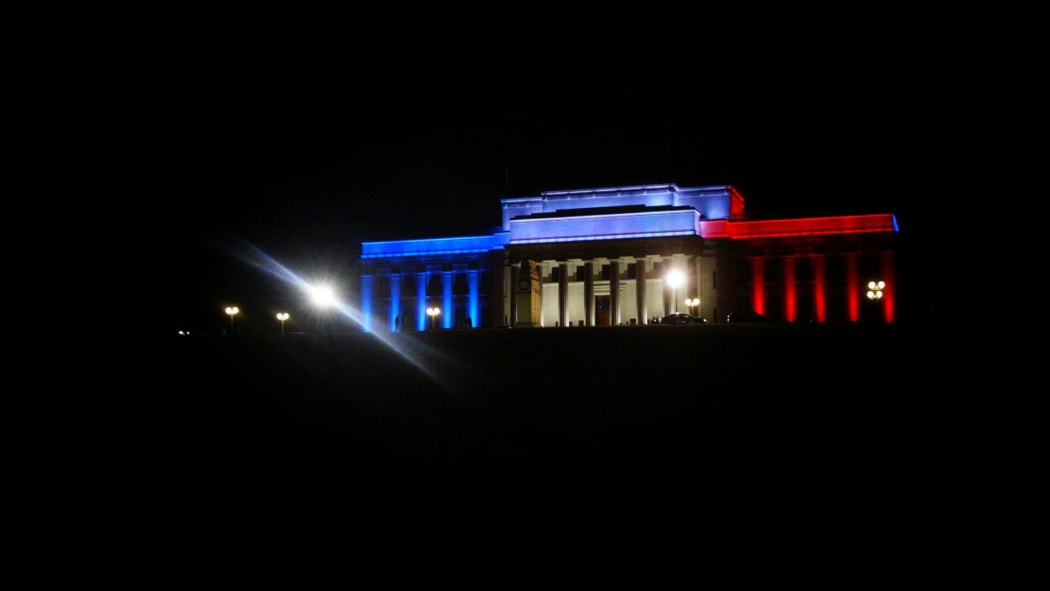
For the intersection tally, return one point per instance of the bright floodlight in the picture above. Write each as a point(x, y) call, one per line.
point(323, 295)
point(675, 278)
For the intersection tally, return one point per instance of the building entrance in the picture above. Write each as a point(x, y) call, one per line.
point(603, 309)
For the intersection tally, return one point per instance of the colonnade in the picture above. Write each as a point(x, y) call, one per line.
point(584, 293)
point(855, 292)
point(409, 312)
point(608, 291)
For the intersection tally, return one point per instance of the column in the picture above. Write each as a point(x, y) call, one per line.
point(588, 293)
point(395, 299)
point(421, 303)
point(665, 290)
point(790, 293)
point(366, 302)
point(853, 286)
point(758, 284)
point(641, 285)
point(563, 294)
point(614, 292)
point(447, 312)
point(887, 261)
point(473, 307)
point(820, 287)
point(510, 287)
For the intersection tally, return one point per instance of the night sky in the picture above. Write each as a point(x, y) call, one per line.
point(303, 133)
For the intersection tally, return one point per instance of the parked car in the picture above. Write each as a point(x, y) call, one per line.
point(682, 318)
point(746, 316)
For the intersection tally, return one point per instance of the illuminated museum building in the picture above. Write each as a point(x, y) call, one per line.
point(601, 257)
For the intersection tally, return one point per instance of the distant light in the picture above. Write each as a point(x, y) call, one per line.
point(232, 310)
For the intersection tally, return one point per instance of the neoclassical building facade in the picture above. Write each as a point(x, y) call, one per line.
point(628, 256)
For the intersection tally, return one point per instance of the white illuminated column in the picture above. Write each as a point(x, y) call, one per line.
point(675, 278)
point(433, 313)
point(282, 316)
point(232, 311)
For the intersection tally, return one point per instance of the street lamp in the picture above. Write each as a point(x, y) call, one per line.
point(232, 310)
point(875, 290)
point(282, 316)
point(675, 278)
point(433, 312)
point(692, 303)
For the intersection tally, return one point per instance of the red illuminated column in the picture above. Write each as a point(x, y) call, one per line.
point(790, 296)
point(820, 298)
point(758, 284)
point(853, 287)
point(888, 293)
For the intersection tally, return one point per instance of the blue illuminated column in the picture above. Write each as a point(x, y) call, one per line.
point(421, 301)
point(446, 296)
point(366, 303)
point(395, 299)
point(472, 277)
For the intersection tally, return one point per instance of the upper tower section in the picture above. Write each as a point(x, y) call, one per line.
point(721, 202)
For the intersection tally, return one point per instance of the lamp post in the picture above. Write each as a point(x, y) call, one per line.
point(675, 278)
point(875, 289)
point(282, 316)
point(232, 311)
point(433, 312)
point(692, 303)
